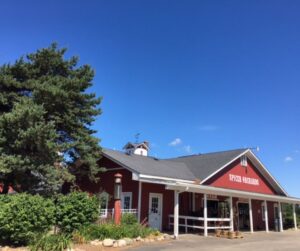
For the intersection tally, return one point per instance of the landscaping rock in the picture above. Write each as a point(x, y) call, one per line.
point(121, 243)
point(167, 236)
point(128, 241)
point(96, 243)
point(160, 238)
point(108, 242)
point(139, 238)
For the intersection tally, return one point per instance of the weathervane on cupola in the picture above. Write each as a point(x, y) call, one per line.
point(138, 148)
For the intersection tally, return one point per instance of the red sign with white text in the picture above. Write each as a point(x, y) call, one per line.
point(246, 178)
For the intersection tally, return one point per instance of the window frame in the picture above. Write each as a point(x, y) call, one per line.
point(126, 194)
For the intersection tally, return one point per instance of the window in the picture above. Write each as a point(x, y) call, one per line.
point(126, 200)
point(154, 205)
point(103, 206)
point(244, 160)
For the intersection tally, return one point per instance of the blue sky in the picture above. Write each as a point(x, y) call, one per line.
point(203, 75)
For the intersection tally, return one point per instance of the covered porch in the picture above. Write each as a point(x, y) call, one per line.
point(212, 208)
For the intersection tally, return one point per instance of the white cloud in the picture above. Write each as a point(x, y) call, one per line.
point(175, 142)
point(288, 159)
point(208, 128)
point(187, 148)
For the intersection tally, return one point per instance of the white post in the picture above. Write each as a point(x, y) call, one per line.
point(250, 216)
point(295, 216)
point(205, 214)
point(140, 201)
point(266, 217)
point(231, 213)
point(280, 217)
point(176, 214)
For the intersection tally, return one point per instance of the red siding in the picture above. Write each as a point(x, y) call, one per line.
point(222, 179)
point(128, 185)
point(106, 182)
point(168, 202)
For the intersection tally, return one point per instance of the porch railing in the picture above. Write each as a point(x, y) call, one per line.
point(107, 213)
point(198, 222)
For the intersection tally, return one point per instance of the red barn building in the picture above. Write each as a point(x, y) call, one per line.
point(224, 190)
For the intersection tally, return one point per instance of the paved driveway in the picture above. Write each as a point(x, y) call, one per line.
point(260, 241)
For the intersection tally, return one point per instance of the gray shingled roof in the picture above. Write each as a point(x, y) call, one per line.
point(203, 165)
point(186, 168)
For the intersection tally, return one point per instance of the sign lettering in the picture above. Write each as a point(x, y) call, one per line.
point(243, 179)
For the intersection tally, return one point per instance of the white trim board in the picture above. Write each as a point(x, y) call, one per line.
point(230, 192)
point(260, 167)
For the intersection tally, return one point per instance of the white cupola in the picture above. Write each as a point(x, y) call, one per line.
point(137, 148)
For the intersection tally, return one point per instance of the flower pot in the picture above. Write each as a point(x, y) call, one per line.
point(231, 235)
point(218, 232)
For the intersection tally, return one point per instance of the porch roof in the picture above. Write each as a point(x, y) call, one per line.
point(185, 187)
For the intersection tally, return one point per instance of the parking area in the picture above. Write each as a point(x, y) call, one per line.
point(259, 241)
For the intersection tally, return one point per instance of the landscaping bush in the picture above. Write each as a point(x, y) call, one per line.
point(112, 231)
point(75, 210)
point(53, 242)
point(128, 219)
point(22, 216)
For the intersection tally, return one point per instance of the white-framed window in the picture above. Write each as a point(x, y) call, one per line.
point(103, 204)
point(244, 161)
point(126, 200)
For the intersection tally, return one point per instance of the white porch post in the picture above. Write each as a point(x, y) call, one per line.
point(250, 216)
point(231, 213)
point(295, 216)
point(139, 201)
point(176, 214)
point(266, 216)
point(280, 217)
point(205, 214)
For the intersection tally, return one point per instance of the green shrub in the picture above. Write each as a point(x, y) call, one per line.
point(22, 216)
point(112, 231)
point(54, 242)
point(128, 219)
point(75, 210)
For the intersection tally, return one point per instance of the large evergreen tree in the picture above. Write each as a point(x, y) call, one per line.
point(46, 115)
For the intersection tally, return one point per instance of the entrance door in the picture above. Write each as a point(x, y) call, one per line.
point(155, 210)
point(243, 216)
